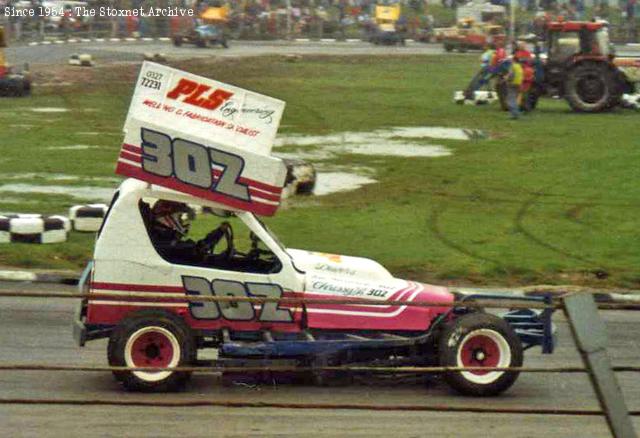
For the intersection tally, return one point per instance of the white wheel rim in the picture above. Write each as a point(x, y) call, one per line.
point(488, 343)
point(152, 376)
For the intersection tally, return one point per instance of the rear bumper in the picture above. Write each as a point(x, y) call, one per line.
point(534, 327)
point(83, 332)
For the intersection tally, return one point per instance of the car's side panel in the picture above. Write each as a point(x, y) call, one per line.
point(378, 317)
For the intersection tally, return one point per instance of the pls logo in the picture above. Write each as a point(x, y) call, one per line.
point(198, 94)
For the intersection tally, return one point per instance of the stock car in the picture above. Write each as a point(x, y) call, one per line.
point(202, 35)
point(140, 306)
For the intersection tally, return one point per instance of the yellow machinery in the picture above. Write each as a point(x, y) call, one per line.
point(386, 19)
point(387, 16)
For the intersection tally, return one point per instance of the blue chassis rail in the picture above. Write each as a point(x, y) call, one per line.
point(533, 328)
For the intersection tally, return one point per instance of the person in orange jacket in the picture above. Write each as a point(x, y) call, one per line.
point(525, 58)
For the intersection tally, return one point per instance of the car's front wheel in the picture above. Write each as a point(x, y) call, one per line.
point(149, 339)
point(480, 340)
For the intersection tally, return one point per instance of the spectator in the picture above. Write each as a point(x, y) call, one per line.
point(514, 81)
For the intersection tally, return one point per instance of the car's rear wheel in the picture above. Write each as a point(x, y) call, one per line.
point(177, 41)
point(480, 340)
point(152, 338)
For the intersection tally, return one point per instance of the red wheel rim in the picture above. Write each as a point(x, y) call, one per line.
point(152, 349)
point(480, 351)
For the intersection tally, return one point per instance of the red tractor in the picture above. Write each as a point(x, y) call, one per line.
point(580, 66)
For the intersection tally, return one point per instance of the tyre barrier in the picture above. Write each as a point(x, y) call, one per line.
point(631, 101)
point(33, 228)
point(301, 177)
point(479, 98)
point(83, 60)
point(87, 218)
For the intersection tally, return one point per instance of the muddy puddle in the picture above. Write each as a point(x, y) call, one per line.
point(333, 182)
point(84, 193)
point(73, 147)
point(49, 110)
point(399, 142)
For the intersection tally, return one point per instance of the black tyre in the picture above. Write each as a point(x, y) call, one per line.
point(448, 47)
point(201, 43)
point(225, 44)
point(152, 338)
point(177, 41)
point(590, 87)
point(476, 340)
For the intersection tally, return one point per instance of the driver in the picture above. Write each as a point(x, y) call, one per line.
point(169, 226)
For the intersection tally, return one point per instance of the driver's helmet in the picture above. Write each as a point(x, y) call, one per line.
point(171, 215)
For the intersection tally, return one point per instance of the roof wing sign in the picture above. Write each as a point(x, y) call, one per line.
point(204, 138)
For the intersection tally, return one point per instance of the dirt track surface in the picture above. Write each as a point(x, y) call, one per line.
point(108, 52)
point(37, 331)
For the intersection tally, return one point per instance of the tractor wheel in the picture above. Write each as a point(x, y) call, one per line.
point(480, 340)
point(590, 87)
point(501, 90)
point(152, 338)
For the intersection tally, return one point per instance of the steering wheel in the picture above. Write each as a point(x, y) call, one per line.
point(209, 243)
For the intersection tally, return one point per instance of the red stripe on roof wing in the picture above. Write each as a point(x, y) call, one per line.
point(132, 148)
point(127, 156)
point(136, 172)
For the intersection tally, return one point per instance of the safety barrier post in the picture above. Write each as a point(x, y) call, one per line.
point(591, 339)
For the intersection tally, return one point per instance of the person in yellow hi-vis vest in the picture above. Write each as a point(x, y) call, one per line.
point(515, 76)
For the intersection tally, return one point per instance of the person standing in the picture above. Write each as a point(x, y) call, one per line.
point(514, 84)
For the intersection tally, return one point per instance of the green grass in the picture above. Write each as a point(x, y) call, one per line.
point(549, 198)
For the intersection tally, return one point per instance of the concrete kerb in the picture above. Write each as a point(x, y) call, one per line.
point(40, 276)
point(166, 39)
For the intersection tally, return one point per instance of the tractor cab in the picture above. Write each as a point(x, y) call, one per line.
point(566, 40)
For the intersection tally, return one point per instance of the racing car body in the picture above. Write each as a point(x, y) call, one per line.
point(202, 35)
point(141, 292)
point(386, 31)
point(469, 35)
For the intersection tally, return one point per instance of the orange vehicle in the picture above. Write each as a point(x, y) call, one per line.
point(13, 83)
point(470, 35)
